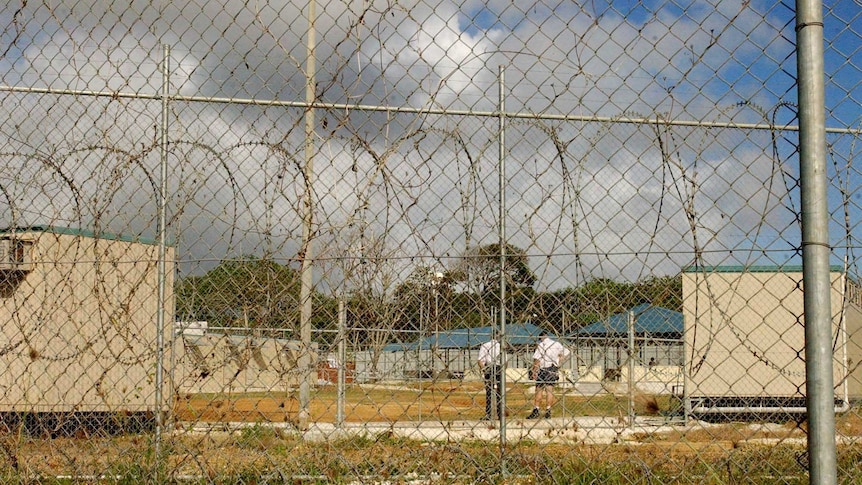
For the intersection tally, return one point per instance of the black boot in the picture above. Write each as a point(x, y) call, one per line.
point(534, 414)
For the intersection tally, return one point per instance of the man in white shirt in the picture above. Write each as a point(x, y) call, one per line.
point(489, 364)
point(547, 359)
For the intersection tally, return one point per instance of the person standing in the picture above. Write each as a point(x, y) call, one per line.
point(492, 372)
point(547, 359)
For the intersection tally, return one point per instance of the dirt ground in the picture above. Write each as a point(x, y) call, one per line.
point(371, 403)
point(452, 401)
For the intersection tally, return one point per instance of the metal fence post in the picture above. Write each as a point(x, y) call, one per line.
point(501, 146)
point(342, 362)
point(306, 276)
point(815, 243)
point(160, 312)
point(631, 366)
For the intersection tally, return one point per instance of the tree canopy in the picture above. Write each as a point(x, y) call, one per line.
point(258, 293)
point(479, 272)
point(246, 292)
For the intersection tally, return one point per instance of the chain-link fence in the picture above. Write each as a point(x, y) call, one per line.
point(270, 242)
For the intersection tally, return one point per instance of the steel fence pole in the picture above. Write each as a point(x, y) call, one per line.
point(815, 243)
point(162, 266)
point(501, 154)
point(342, 362)
point(306, 280)
point(630, 323)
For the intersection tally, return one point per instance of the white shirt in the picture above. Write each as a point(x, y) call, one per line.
point(489, 353)
point(550, 353)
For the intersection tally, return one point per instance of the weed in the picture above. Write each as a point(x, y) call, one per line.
point(259, 437)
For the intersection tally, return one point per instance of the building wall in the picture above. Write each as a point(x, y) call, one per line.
point(853, 319)
point(79, 328)
point(745, 335)
point(221, 364)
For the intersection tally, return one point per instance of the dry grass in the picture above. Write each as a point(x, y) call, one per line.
point(443, 400)
point(724, 453)
point(849, 423)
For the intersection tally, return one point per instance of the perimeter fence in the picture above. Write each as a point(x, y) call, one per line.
point(257, 242)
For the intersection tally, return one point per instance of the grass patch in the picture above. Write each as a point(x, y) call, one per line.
point(259, 454)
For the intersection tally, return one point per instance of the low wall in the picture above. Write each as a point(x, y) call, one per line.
point(235, 364)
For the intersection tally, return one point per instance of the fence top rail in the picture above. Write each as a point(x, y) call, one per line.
point(426, 110)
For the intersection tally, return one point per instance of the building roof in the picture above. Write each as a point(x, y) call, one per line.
point(648, 320)
point(788, 268)
point(464, 338)
point(68, 231)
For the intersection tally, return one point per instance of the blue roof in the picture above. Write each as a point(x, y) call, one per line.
point(649, 320)
point(464, 338)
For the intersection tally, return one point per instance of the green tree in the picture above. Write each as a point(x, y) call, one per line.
point(248, 292)
point(568, 309)
point(373, 313)
point(663, 291)
point(479, 272)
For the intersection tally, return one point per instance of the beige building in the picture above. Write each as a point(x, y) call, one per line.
point(79, 315)
point(218, 363)
point(745, 339)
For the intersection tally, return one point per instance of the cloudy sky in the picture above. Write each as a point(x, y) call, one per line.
point(585, 197)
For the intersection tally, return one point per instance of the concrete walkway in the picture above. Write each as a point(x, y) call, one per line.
point(583, 430)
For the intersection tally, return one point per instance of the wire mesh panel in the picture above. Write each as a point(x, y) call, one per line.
point(427, 241)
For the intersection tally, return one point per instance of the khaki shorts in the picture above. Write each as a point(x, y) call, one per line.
point(547, 376)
